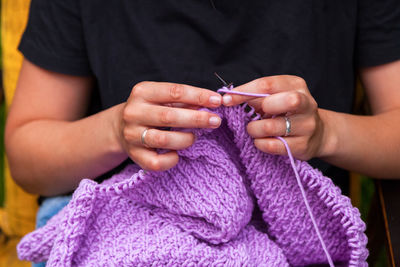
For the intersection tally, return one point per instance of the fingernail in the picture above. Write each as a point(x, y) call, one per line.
point(214, 121)
point(216, 100)
point(227, 99)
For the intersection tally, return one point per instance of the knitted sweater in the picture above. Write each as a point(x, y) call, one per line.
point(200, 213)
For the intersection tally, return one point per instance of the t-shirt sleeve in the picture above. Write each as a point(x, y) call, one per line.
point(378, 32)
point(53, 38)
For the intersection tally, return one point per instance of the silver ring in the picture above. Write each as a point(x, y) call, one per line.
point(142, 139)
point(288, 126)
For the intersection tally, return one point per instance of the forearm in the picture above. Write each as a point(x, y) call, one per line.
point(365, 144)
point(50, 157)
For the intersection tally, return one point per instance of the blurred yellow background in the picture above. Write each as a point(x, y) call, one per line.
point(17, 217)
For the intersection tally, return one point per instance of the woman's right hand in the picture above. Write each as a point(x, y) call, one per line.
point(153, 105)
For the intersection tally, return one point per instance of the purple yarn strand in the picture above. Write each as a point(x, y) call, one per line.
point(293, 164)
point(303, 193)
point(227, 90)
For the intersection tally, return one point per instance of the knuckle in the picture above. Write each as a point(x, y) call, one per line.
point(127, 134)
point(160, 140)
point(266, 83)
point(126, 115)
point(176, 91)
point(138, 88)
point(299, 82)
point(202, 98)
point(271, 147)
point(269, 127)
point(311, 125)
point(200, 118)
point(154, 164)
point(129, 114)
point(167, 116)
point(313, 105)
point(294, 100)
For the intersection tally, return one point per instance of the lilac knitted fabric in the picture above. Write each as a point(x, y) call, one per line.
point(202, 212)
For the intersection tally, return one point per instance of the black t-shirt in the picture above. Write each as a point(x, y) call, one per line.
point(124, 42)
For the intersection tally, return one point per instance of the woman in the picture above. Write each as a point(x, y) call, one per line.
point(84, 105)
point(73, 49)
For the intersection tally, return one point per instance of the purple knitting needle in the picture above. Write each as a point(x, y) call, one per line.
point(228, 89)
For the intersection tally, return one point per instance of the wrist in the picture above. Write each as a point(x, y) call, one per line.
point(115, 120)
point(330, 137)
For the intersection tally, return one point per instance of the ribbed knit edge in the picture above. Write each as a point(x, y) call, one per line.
point(340, 205)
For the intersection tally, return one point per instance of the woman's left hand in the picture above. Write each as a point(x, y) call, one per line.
point(290, 97)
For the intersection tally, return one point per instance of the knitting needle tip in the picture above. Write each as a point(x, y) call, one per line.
point(222, 80)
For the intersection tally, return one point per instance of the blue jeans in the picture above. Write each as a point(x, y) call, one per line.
point(50, 207)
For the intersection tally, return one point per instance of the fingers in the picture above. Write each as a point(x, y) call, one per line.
point(156, 138)
point(160, 116)
point(159, 104)
point(301, 125)
point(286, 95)
point(145, 155)
point(265, 85)
point(271, 145)
point(149, 159)
point(288, 102)
point(268, 127)
point(169, 139)
point(162, 92)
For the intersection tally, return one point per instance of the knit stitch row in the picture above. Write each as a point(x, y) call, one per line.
point(292, 163)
